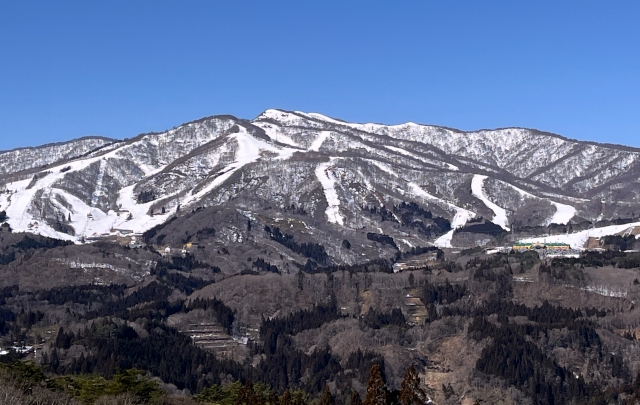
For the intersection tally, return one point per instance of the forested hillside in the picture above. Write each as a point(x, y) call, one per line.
point(181, 328)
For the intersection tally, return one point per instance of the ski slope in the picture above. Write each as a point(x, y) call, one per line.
point(327, 179)
point(578, 240)
point(499, 213)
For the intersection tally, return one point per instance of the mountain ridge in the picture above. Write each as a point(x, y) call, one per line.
point(338, 168)
point(340, 120)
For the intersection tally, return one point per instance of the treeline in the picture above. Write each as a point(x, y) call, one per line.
point(600, 259)
point(185, 284)
point(563, 271)
point(222, 313)
point(16, 324)
point(164, 352)
point(410, 214)
point(170, 355)
point(382, 239)
point(417, 250)
point(373, 266)
point(81, 294)
point(27, 383)
point(311, 250)
point(283, 365)
point(298, 321)
point(413, 216)
point(40, 243)
point(7, 258)
point(110, 300)
point(521, 363)
point(146, 196)
point(486, 228)
point(385, 214)
point(490, 262)
point(27, 244)
point(185, 263)
point(148, 235)
point(545, 314)
point(514, 356)
point(442, 294)
point(378, 320)
point(153, 292)
point(8, 292)
point(263, 265)
point(619, 242)
point(133, 386)
point(7, 316)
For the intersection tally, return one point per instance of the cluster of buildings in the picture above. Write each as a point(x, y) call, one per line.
point(523, 246)
point(552, 249)
point(416, 264)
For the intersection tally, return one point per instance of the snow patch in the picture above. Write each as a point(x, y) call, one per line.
point(606, 291)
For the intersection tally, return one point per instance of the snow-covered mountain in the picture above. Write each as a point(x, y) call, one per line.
point(22, 159)
point(331, 172)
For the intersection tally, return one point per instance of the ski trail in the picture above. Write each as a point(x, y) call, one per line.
point(564, 212)
point(460, 217)
point(327, 179)
point(499, 213)
point(317, 143)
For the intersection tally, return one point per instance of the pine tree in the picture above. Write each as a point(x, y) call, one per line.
point(285, 399)
point(355, 398)
point(376, 390)
point(411, 393)
point(299, 398)
point(326, 398)
point(247, 396)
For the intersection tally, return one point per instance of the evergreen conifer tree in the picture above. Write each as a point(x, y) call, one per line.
point(285, 399)
point(411, 393)
point(326, 398)
point(355, 398)
point(376, 389)
point(247, 396)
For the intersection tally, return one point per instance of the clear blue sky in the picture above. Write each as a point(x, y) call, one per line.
point(120, 68)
